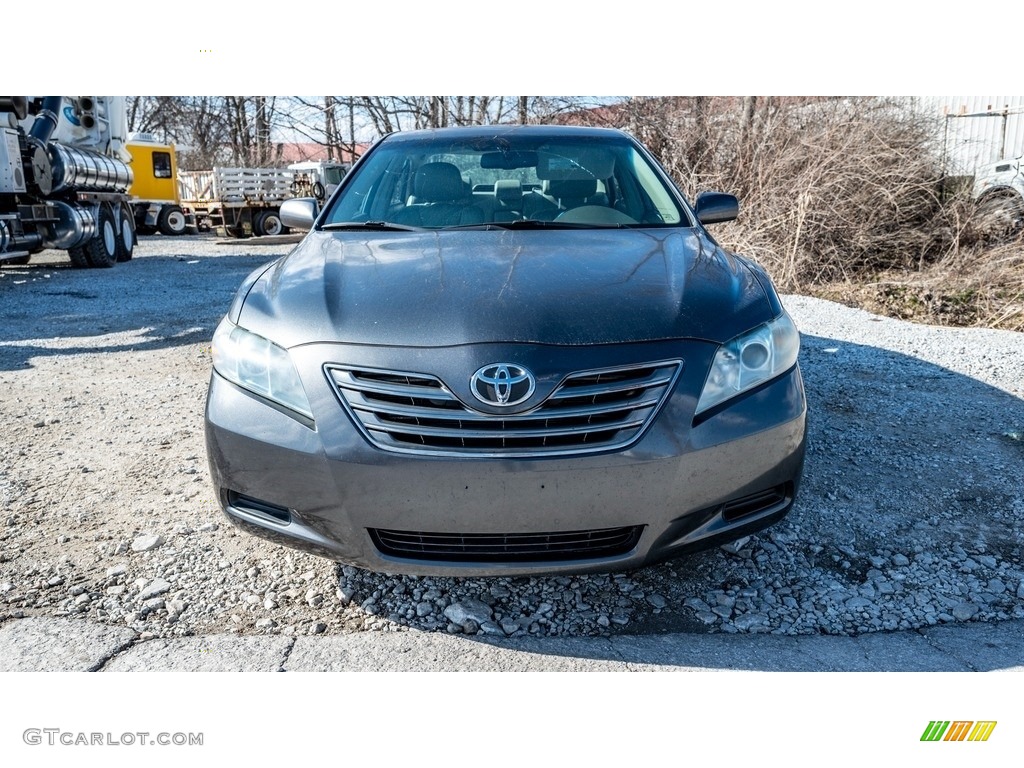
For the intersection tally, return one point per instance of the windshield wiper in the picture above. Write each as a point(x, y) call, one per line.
point(379, 226)
point(538, 224)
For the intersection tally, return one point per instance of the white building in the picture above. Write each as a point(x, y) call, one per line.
point(976, 130)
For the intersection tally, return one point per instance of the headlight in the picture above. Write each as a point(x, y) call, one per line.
point(252, 362)
point(750, 360)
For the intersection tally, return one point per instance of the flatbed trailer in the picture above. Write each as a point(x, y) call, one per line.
point(237, 202)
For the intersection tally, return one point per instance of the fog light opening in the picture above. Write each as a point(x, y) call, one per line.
point(259, 507)
point(766, 500)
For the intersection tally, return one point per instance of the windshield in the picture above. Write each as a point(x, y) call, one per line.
point(507, 180)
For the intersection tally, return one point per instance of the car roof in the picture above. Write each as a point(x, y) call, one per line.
point(488, 131)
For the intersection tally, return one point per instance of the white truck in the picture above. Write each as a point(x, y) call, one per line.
point(237, 202)
point(63, 179)
point(317, 178)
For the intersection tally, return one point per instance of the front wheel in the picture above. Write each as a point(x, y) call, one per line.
point(171, 221)
point(102, 250)
point(1000, 216)
point(126, 239)
point(78, 258)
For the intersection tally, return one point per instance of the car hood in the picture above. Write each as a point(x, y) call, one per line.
point(564, 287)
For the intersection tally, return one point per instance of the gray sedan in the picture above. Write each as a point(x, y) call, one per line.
point(506, 350)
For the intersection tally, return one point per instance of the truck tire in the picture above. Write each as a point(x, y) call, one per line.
point(171, 220)
point(1000, 216)
point(101, 251)
point(78, 258)
point(268, 223)
point(126, 237)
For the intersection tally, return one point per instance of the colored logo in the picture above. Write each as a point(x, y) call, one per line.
point(70, 116)
point(958, 730)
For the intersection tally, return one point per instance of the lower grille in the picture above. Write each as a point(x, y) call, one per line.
point(507, 547)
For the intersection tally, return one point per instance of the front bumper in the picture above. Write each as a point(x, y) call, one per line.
point(326, 490)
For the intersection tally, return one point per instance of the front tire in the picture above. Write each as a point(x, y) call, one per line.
point(171, 221)
point(1000, 217)
point(101, 251)
point(78, 258)
point(126, 239)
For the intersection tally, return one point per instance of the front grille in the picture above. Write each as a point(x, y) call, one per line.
point(507, 547)
point(589, 411)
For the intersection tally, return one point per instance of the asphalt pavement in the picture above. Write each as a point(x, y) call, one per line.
point(39, 644)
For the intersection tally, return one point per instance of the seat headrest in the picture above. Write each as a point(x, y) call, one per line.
point(438, 183)
point(508, 191)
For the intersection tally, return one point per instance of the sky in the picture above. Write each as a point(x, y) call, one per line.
point(789, 47)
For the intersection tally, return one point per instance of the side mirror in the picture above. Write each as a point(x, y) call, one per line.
point(299, 212)
point(713, 207)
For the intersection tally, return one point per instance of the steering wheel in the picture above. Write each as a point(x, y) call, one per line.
point(595, 214)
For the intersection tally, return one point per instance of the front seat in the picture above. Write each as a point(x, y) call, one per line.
point(439, 199)
point(559, 195)
point(508, 199)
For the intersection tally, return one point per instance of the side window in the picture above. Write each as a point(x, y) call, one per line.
point(162, 165)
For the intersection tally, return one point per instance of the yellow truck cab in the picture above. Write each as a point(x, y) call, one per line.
point(155, 198)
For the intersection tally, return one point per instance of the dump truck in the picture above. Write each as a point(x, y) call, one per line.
point(64, 177)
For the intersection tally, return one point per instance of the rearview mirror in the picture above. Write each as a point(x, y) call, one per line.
point(715, 207)
point(507, 161)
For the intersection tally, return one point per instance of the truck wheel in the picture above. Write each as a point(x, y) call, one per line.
point(101, 250)
point(999, 216)
point(78, 258)
point(268, 223)
point(126, 240)
point(171, 220)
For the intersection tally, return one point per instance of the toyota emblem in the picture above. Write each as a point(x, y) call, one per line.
point(502, 384)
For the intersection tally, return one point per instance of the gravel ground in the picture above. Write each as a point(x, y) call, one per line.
point(911, 513)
